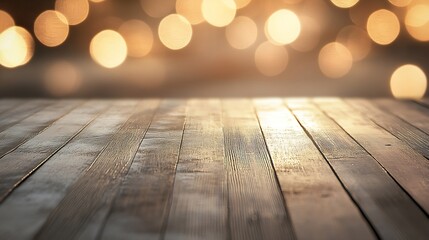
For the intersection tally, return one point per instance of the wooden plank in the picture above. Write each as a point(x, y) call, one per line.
point(392, 213)
point(16, 135)
point(424, 101)
point(140, 210)
point(11, 117)
point(409, 134)
point(199, 208)
point(8, 104)
point(406, 166)
point(16, 166)
point(413, 113)
point(319, 206)
point(23, 213)
point(86, 203)
point(256, 205)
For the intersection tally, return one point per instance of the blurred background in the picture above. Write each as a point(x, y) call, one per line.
point(222, 48)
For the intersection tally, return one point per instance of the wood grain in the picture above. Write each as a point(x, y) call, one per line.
point(406, 166)
point(319, 206)
point(256, 205)
point(409, 134)
point(199, 208)
point(411, 112)
point(14, 115)
point(391, 212)
point(424, 101)
point(16, 166)
point(140, 210)
point(16, 135)
point(8, 104)
point(83, 208)
point(27, 208)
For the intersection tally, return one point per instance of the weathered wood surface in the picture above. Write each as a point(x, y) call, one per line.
point(313, 193)
point(392, 213)
point(406, 166)
point(199, 207)
point(214, 169)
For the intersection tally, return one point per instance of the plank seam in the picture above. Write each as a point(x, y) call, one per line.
point(385, 170)
point(364, 216)
point(6, 194)
point(104, 222)
point(41, 131)
point(275, 172)
point(170, 196)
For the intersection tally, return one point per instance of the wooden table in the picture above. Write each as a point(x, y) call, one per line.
point(214, 169)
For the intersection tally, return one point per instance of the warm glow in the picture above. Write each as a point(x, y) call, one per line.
point(270, 59)
point(219, 13)
point(191, 10)
point(356, 40)
point(16, 47)
point(108, 48)
point(408, 81)
point(76, 11)
point(400, 3)
point(97, 1)
point(417, 22)
point(62, 78)
point(383, 26)
point(335, 60)
point(309, 37)
point(344, 3)
point(157, 8)
point(242, 3)
point(51, 28)
point(138, 36)
point(175, 32)
point(6, 21)
point(283, 27)
point(241, 33)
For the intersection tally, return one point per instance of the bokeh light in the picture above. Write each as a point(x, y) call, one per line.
point(6, 21)
point(175, 32)
point(139, 37)
point(360, 12)
point(51, 28)
point(344, 3)
point(356, 40)
point(97, 1)
point(309, 36)
point(156, 8)
point(242, 3)
point(241, 33)
point(76, 11)
point(271, 60)
point(219, 13)
point(408, 81)
point(417, 22)
point(400, 3)
point(108, 48)
point(191, 10)
point(335, 60)
point(283, 27)
point(62, 78)
point(383, 26)
point(16, 47)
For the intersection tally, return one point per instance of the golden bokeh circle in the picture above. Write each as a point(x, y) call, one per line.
point(282, 27)
point(335, 60)
point(51, 28)
point(383, 27)
point(408, 81)
point(108, 48)
point(175, 32)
